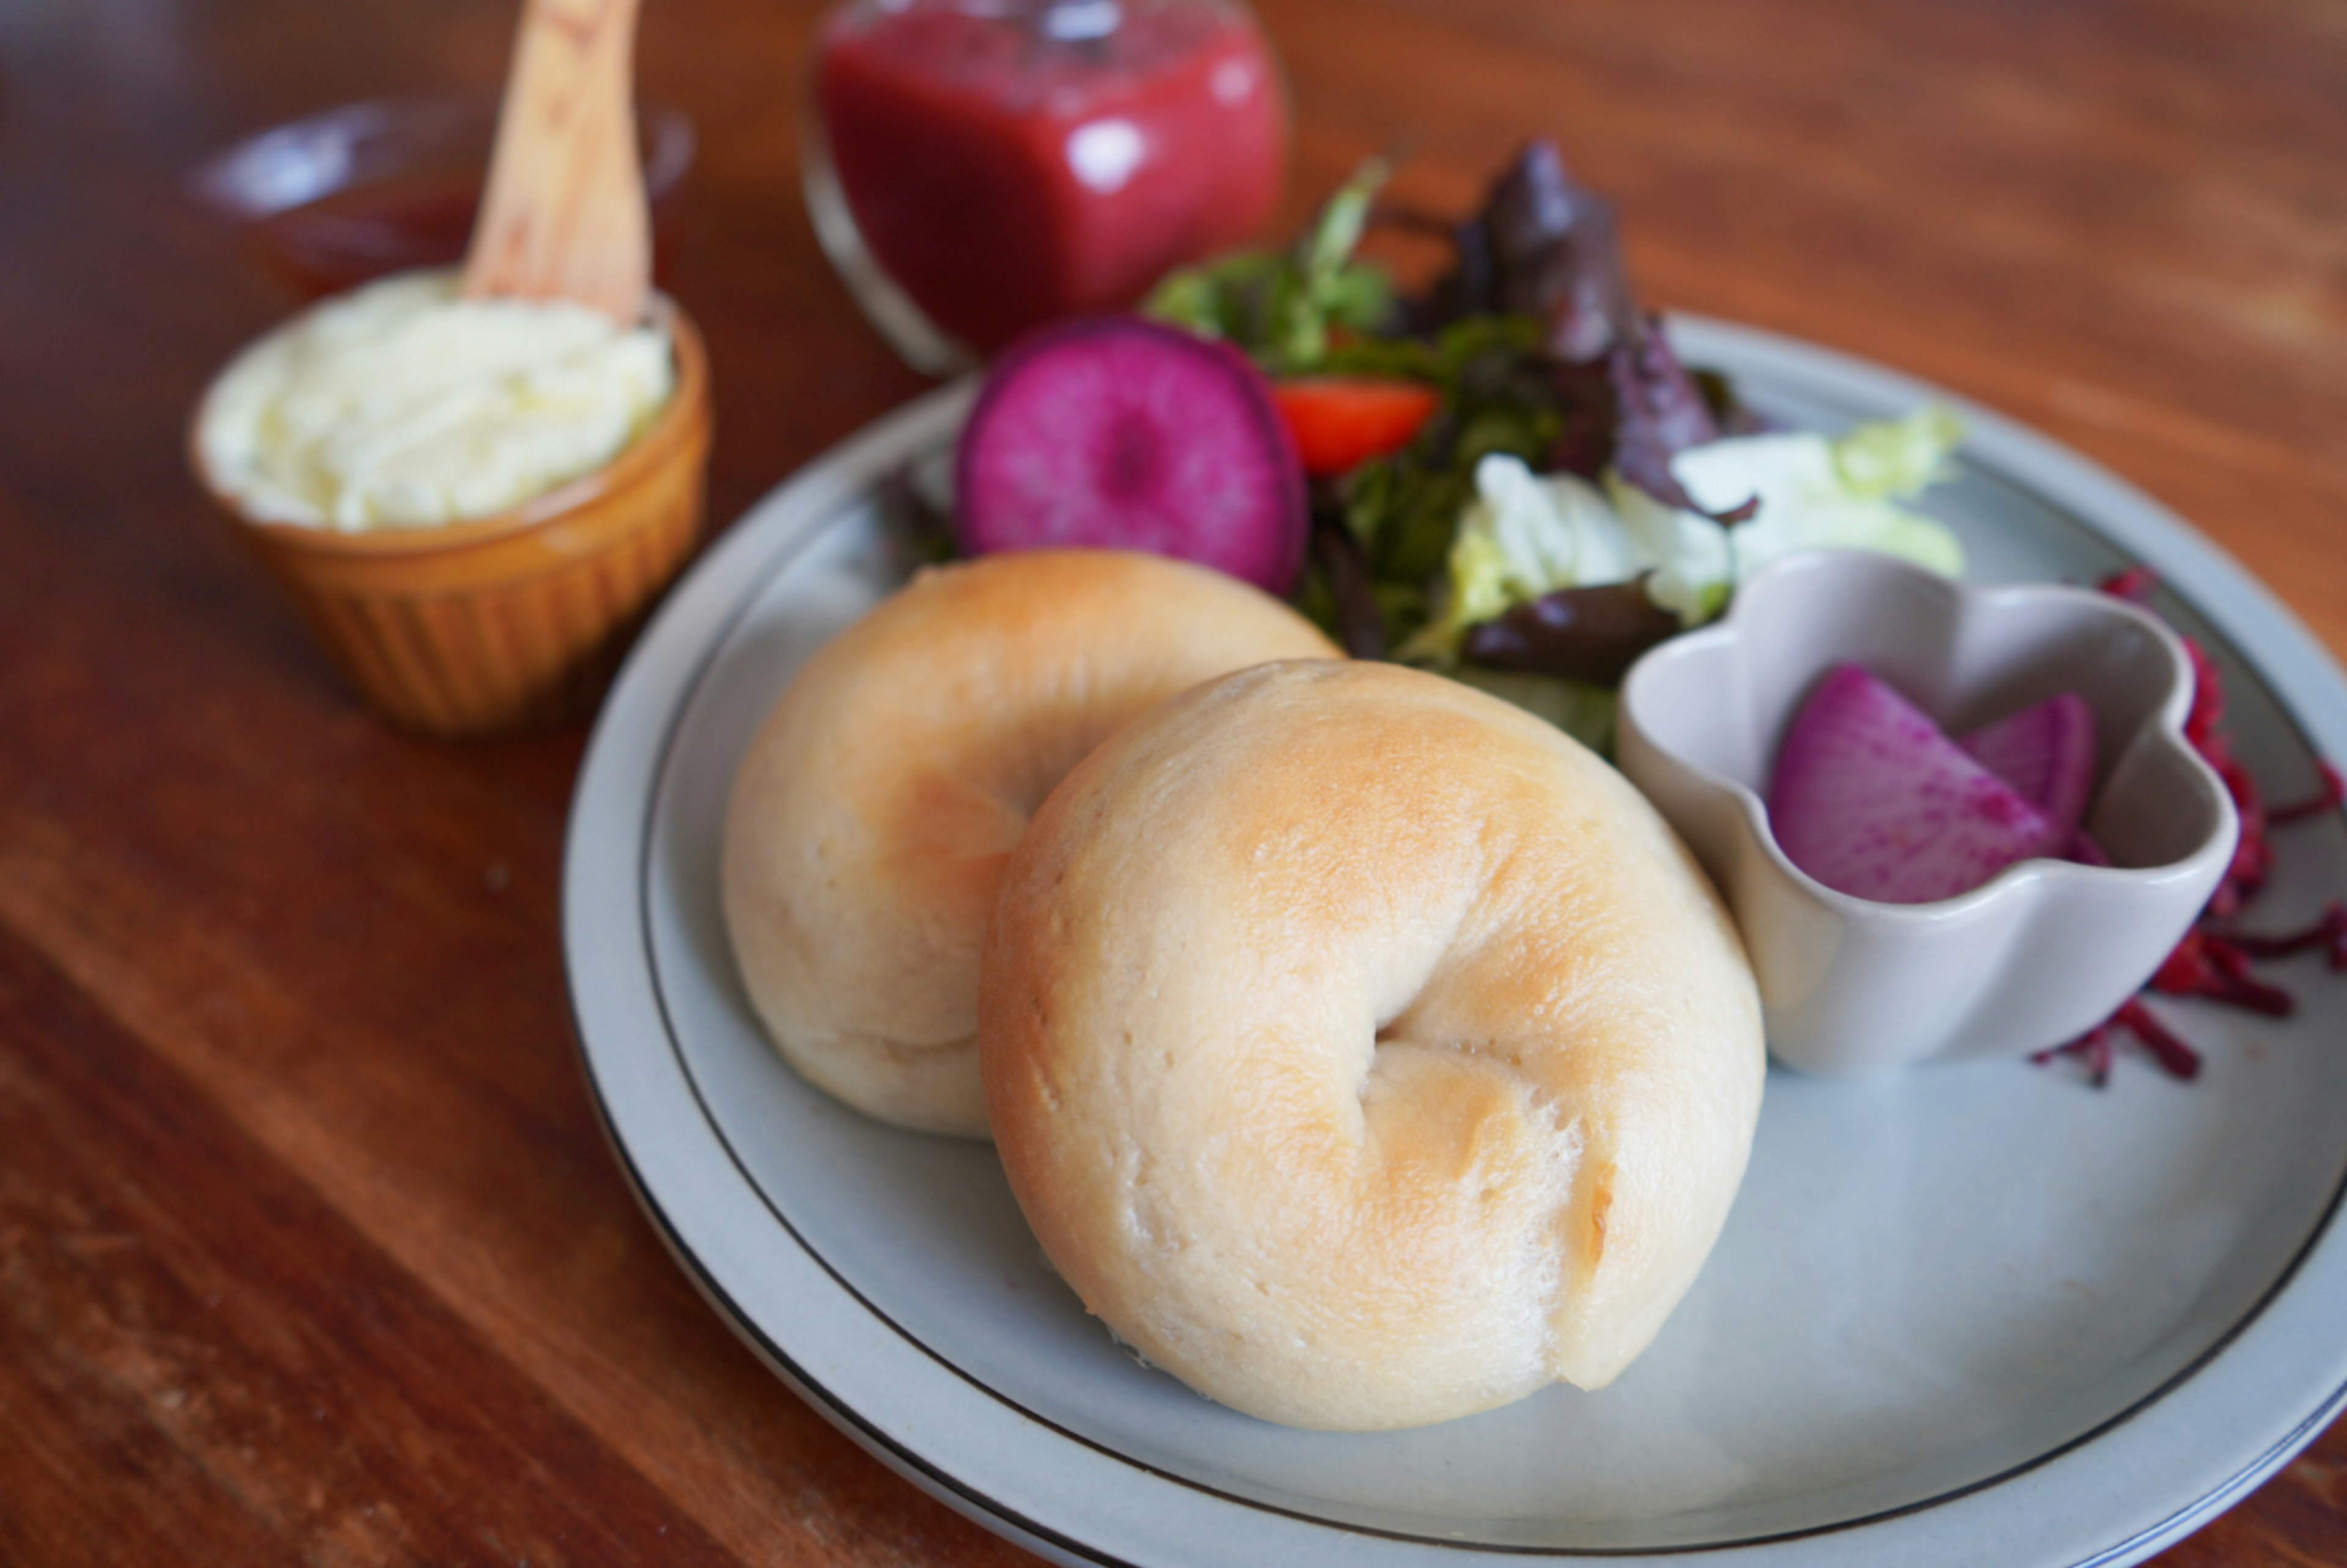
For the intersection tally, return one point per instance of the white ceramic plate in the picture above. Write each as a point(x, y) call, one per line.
point(1972, 1314)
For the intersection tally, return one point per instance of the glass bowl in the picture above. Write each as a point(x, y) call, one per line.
point(381, 185)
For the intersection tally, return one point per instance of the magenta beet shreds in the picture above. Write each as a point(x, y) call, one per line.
point(2213, 961)
point(1117, 433)
point(1872, 800)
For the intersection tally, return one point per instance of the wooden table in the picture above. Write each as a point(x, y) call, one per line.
point(310, 1248)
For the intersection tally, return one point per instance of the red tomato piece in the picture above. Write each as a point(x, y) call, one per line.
point(1341, 422)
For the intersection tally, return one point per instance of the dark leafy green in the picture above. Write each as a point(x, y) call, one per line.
point(1546, 246)
point(1543, 246)
point(1729, 410)
point(1593, 634)
point(1659, 412)
point(1349, 606)
point(1497, 395)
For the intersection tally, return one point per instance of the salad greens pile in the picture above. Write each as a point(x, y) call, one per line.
point(1285, 308)
point(1574, 493)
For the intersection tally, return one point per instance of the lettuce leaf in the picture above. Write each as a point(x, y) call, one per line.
point(1899, 457)
point(1285, 308)
point(1815, 492)
point(1525, 535)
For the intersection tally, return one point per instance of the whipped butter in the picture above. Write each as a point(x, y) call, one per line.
point(399, 405)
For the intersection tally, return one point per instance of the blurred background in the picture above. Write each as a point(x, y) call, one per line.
point(2123, 219)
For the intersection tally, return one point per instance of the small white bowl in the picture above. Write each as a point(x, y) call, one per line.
point(2038, 955)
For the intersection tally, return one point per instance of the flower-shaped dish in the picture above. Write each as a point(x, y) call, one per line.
point(2034, 957)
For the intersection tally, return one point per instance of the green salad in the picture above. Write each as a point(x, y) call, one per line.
point(1514, 479)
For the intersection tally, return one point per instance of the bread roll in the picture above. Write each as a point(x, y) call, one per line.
point(872, 814)
point(1365, 1052)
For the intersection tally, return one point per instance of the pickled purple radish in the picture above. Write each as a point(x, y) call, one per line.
point(1871, 799)
point(1116, 432)
point(2046, 754)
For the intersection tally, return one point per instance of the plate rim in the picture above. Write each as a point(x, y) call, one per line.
point(664, 670)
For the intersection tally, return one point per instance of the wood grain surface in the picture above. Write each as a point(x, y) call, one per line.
point(310, 1248)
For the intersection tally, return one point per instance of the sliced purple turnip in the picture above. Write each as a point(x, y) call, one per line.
point(2046, 754)
point(1871, 799)
point(1116, 432)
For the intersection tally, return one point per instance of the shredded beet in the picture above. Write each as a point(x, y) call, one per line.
point(2093, 1047)
point(2134, 585)
point(2174, 1057)
point(2207, 965)
point(2327, 932)
point(2212, 962)
point(2177, 1058)
point(2328, 798)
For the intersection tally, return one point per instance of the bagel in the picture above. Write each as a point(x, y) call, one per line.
point(872, 815)
point(1365, 1052)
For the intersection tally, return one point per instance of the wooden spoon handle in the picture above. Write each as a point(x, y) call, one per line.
point(564, 217)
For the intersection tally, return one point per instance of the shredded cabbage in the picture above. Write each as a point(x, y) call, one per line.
point(1526, 534)
point(1815, 493)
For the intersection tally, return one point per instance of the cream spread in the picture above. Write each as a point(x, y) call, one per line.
point(399, 405)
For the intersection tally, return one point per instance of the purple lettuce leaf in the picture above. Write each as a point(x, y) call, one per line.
point(1660, 411)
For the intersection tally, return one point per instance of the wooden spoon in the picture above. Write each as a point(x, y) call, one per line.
point(564, 215)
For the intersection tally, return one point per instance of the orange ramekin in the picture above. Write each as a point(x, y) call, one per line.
point(514, 618)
